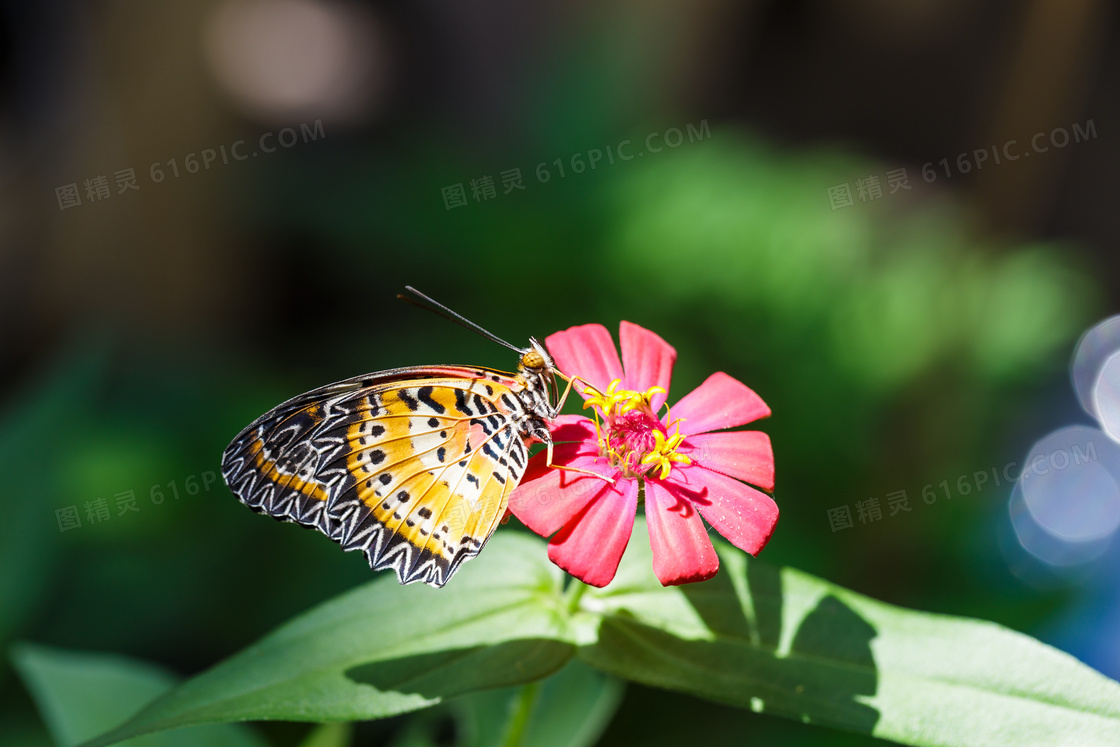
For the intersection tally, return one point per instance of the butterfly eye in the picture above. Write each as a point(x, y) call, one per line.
point(532, 359)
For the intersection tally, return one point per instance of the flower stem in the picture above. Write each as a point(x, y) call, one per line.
point(572, 595)
point(523, 707)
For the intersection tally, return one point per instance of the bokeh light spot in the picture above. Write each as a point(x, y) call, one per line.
point(1043, 545)
point(1106, 397)
point(284, 60)
point(1093, 349)
point(1070, 486)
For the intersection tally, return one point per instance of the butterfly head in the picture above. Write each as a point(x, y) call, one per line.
point(539, 374)
point(535, 359)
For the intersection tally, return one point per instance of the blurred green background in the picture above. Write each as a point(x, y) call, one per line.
point(915, 335)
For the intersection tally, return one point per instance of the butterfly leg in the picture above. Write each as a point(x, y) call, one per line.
point(549, 463)
point(548, 443)
point(564, 397)
point(568, 389)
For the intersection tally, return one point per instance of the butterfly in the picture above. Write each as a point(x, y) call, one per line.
point(413, 466)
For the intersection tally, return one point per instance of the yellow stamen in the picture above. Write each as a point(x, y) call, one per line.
point(664, 453)
point(615, 403)
point(641, 399)
point(624, 400)
point(606, 401)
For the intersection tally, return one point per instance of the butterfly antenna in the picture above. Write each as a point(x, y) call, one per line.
point(437, 308)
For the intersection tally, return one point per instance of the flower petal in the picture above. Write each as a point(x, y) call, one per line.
point(548, 498)
point(744, 455)
point(588, 352)
point(647, 359)
point(574, 428)
point(745, 516)
point(682, 552)
point(720, 402)
point(590, 545)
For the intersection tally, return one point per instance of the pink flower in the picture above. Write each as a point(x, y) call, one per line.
point(684, 470)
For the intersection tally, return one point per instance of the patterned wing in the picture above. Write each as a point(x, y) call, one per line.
point(414, 466)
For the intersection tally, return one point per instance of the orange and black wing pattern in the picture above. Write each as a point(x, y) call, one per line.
point(414, 467)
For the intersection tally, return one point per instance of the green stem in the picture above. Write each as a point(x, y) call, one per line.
point(518, 720)
point(571, 597)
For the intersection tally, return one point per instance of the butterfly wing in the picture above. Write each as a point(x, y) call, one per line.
point(412, 466)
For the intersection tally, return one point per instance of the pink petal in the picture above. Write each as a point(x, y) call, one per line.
point(745, 516)
point(588, 352)
point(744, 455)
point(590, 546)
point(720, 402)
point(682, 552)
point(647, 359)
point(548, 498)
point(573, 428)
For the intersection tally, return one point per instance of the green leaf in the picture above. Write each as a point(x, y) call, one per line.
point(80, 695)
point(569, 709)
point(774, 640)
point(31, 449)
point(385, 649)
point(782, 642)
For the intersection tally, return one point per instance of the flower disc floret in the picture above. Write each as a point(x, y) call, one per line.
point(630, 434)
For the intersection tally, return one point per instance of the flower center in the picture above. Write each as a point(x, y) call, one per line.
point(630, 433)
